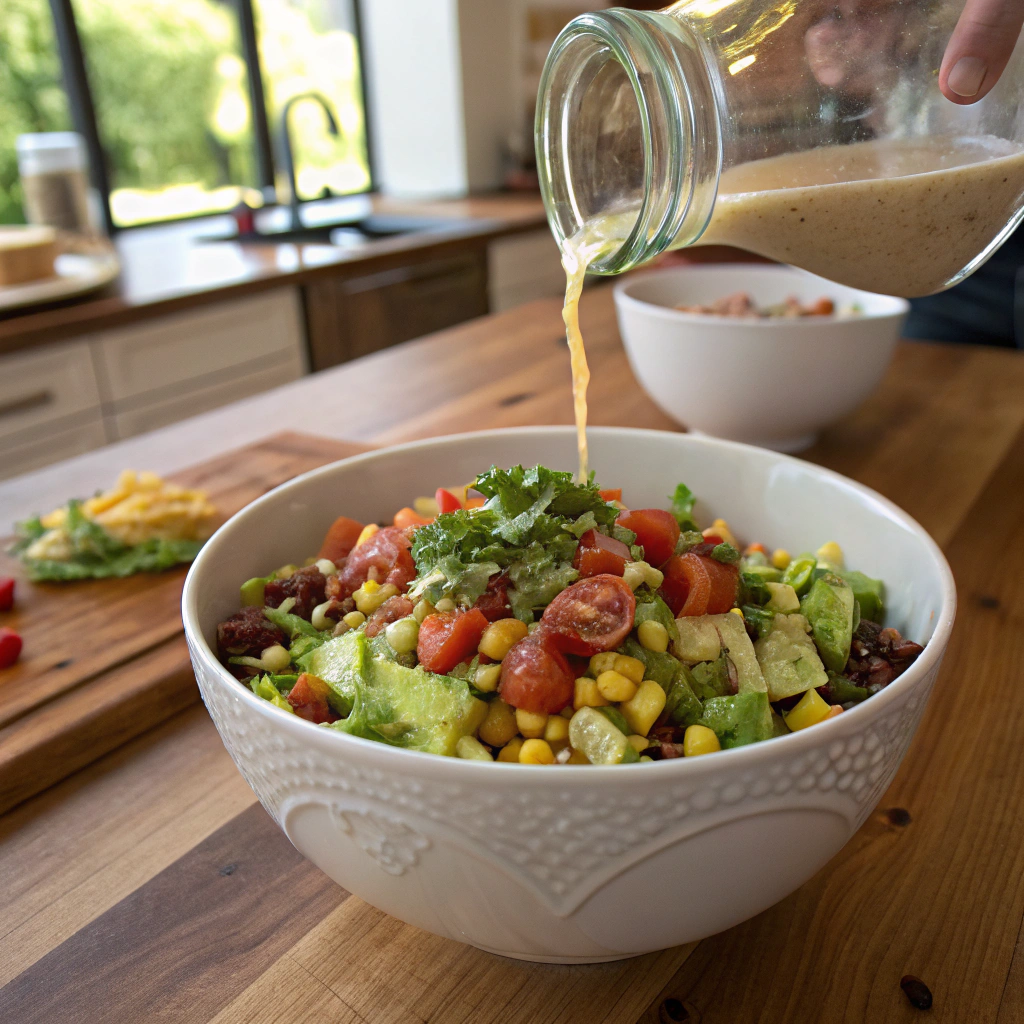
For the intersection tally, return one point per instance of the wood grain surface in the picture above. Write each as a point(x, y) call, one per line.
point(98, 869)
point(104, 660)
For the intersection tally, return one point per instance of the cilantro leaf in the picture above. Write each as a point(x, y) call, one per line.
point(683, 501)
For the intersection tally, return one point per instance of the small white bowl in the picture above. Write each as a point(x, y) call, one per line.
point(770, 382)
point(576, 864)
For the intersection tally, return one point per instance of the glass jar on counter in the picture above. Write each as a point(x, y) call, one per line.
point(809, 131)
point(55, 181)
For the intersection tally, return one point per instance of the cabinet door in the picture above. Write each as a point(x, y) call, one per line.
point(523, 268)
point(352, 317)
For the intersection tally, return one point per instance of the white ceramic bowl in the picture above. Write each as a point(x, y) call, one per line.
point(770, 382)
point(575, 864)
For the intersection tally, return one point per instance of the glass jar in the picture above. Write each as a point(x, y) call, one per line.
point(809, 131)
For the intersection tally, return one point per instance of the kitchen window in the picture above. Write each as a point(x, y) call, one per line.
point(180, 101)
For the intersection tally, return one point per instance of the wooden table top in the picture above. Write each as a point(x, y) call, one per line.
point(151, 887)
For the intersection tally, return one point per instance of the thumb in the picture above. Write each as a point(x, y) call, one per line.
point(979, 48)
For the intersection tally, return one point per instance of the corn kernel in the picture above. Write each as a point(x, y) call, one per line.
point(342, 627)
point(499, 726)
point(326, 566)
point(510, 752)
point(637, 742)
point(354, 620)
point(535, 751)
point(699, 739)
point(446, 604)
point(577, 757)
point(810, 710)
point(615, 687)
point(631, 668)
point(557, 729)
point(531, 725)
point(487, 678)
point(365, 534)
point(586, 694)
point(653, 635)
point(500, 636)
point(370, 596)
point(602, 662)
point(403, 635)
point(737, 611)
point(831, 554)
point(470, 748)
point(781, 558)
point(276, 658)
point(720, 528)
point(642, 711)
point(319, 619)
point(835, 711)
point(644, 758)
point(422, 610)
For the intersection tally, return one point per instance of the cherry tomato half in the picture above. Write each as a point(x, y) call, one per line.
point(493, 602)
point(599, 554)
point(446, 638)
point(446, 501)
point(393, 609)
point(6, 593)
point(341, 539)
point(309, 699)
point(656, 529)
point(591, 615)
point(536, 676)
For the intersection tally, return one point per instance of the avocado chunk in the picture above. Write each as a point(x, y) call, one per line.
point(698, 639)
point(788, 658)
point(711, 678)
point(391, 703)
point(869, 594)
point(602, 742)
point(828, 607)
point(733, 634)
point(740, 719)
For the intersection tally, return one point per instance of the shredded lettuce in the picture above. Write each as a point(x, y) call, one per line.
point(293, 625)
point(529, 528)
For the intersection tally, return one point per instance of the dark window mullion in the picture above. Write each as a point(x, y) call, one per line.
point(357, 16)
point(83, 113)
point(257, 100)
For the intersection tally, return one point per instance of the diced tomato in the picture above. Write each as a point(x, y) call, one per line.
point(591, 615)
point(309, 699)
point(599, 554)
point(476, 502)
point(10, 647)
point(713, 539)
point(675, 587)
point(6, 593)
point(751, 548)
point(611, 494)
point(446, 638)
point(493, 602)
point(446, 501)
point(388, 552)
point(341, 539)
point(536, 676)
point(406, 517)
point(393, 609)
point(696, 584)
point(656, 529)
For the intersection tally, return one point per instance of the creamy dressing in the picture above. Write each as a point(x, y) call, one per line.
point(897, 216)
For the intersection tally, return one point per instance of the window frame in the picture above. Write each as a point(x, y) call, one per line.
point(83, 110)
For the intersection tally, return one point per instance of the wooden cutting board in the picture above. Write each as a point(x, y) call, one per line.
point(105, 660)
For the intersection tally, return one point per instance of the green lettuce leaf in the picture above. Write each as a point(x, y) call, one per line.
point(683, 501)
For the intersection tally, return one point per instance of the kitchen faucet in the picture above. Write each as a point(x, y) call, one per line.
point(288, 154)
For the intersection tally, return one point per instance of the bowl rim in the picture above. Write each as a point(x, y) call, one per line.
point(624, 298)
point(389, 756)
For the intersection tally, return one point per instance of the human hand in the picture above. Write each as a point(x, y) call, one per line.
point(979, 48)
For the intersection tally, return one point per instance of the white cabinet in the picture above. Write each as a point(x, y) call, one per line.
point(63, 400)
point(523, 268)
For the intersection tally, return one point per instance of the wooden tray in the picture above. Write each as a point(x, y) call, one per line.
point(106, 660)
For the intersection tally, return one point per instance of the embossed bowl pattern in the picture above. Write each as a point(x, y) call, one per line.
point(576, 864)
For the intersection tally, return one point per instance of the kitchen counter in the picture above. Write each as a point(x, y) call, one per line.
point(149, 886)
point(170, 268)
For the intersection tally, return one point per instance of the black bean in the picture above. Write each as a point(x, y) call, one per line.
point(919, 994)
point(898, 816)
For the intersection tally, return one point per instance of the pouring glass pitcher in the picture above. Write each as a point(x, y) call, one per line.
point(809, 131)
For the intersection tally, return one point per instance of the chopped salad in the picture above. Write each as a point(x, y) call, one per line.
point(529, 618)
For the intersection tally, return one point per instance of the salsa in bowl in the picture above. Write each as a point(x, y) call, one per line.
point(580, 862)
